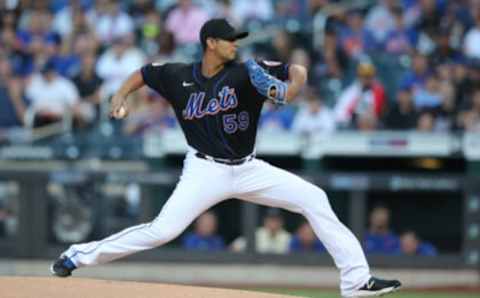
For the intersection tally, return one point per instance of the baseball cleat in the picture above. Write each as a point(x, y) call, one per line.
point(376, 287)
point(62, 267)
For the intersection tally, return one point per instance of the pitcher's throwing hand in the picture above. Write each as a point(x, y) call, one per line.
point(118, 109)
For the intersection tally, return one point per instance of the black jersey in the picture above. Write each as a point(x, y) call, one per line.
point(218, 115)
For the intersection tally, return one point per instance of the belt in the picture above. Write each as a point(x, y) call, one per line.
point(230, 162)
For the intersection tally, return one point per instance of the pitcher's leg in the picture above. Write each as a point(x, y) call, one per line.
point(268, 185)
point(190, 198)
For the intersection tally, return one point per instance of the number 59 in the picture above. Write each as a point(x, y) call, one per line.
point(231, 123)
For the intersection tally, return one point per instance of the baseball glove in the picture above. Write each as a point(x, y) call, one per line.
point(267, 85)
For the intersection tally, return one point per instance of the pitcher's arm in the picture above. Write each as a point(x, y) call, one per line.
point(118, 108)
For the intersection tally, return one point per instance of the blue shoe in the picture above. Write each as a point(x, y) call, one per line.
point(62, 267)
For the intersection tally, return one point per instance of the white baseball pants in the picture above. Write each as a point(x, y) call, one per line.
point(204, 183)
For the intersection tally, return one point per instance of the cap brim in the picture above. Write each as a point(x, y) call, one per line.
point(237, 35)
point(241, 35)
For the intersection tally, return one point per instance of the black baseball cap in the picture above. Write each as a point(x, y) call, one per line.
point(219, 28)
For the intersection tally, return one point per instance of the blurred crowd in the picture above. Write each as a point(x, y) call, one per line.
point(388, 64)
point(273, 238)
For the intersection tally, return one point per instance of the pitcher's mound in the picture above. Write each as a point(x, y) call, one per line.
point(53, 287)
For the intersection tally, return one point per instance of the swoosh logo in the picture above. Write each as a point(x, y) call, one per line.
point(185, 84)
point(370, 284)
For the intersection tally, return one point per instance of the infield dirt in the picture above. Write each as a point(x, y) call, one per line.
point(52, 287)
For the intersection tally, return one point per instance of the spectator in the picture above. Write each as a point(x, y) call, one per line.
point(117, 63)
point(51, 96)
point(444, 53)
point(282, 46)
point(305, 240)
point(66, 61)
point(379, 238)
point(150, 33)
point(429, 96)
point(380, 20)
point(426, 122)
point(34, 25)
point(362, 103)
point(320, 20)
point(446, 87)
point(460, 15)
point(140, 9)
point(204, 237)
point(466, 79)
point(247, 10)
point(8, 218)
point(110, 22)
point(286, 11)
point(336, 59)
point(354, 38)
point(429, 19)
point(403, 115)
point(471, 42)
point(224, 9)
point(270, 238)
point(85, 43)
point(416, 76)
point(167, 50)
point(12, 105)
point(88, 84)
point(71, 18)
point(469, 119)
point(314, 117)
point(31, 41)
point(275, 119)
point(213, 8)
point(412, 246)
point(330, 61)
point(399, 40)
point(412, 12)
point(87, 81)
point(185, 21)
point(8, 28)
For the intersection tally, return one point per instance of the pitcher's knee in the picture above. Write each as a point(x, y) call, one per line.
point(315, 199)
point(314, 196)
point(321, 194)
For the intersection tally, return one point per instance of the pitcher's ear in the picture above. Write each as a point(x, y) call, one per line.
point(211, 42)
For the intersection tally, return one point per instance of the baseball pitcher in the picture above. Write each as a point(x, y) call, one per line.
point(217, 102)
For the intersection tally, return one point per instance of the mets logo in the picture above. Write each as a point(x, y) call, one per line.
point(227, 99)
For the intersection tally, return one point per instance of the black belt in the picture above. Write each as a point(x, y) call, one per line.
point(230, 162)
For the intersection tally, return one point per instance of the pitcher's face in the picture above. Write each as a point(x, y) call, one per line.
point(225, 49)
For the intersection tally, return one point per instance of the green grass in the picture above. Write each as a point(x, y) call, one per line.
point(400, 294)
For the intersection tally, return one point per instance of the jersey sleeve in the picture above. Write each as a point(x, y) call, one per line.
point(275, 68)
point(156, 76)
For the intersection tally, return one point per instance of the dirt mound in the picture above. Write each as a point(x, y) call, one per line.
point(52, 287)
